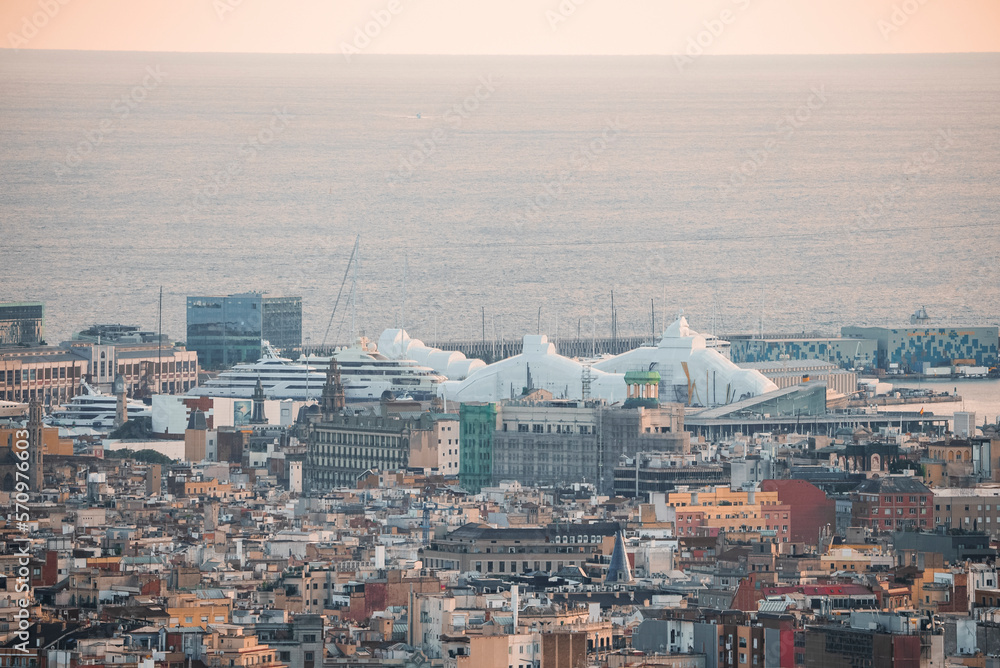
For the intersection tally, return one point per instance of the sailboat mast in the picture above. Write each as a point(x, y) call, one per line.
point(652, 320)
point(347, 271)
point(354, 292)
point(159, 345)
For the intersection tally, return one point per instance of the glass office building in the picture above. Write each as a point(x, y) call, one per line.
point(21, 323)
point(228, 330)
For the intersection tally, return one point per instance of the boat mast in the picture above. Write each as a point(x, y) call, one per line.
point(354, 293)
point(343, 282)
point(159, 346)
point(402, 317)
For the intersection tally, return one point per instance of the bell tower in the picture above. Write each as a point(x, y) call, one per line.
point(332, 400)
point(121, 408)
point(36, 432)
point(257, 413)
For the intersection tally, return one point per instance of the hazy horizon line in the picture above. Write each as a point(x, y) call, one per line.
point(366, 56)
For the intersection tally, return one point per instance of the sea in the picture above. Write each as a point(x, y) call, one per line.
point(978, 395)
point(498, 196)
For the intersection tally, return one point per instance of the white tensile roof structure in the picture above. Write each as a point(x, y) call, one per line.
point(561, 376)
point(690, 372)
point(396, 344)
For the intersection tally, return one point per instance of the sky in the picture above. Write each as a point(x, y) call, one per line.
point(542, 27)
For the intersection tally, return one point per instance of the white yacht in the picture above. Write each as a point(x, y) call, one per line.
point(94, 409)
point(365, 373)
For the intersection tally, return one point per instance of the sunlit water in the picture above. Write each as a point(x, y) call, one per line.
point(554, 183)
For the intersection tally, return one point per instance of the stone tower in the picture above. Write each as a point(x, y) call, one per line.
point(121, 407)
point(257, 413)
point(35, 445)
point(332, 400)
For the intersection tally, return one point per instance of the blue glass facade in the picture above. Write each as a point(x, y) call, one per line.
point(911, 347)
point(844, 352)
point(225, 330)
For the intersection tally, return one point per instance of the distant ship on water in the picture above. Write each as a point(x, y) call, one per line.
point(365, 373)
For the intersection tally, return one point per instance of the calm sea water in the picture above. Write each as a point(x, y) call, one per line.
point(980, 396)
point(733, 190)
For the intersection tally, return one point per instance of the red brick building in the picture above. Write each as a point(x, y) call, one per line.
point(892, 503)
point(813, 509)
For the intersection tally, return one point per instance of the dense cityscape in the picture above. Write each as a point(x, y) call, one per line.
point(689, 500)
point(521, 334)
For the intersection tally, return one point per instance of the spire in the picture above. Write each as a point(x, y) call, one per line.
point(257, 413)
point(332, 399)
point(620, 571)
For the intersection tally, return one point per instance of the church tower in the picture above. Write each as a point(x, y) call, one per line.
point(35, 444)
point(121, 407)
point(257, 413)
point(332, 400)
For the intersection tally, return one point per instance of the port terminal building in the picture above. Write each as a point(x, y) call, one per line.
point(54, 373)
point(845, 352)
point(909, 348)
point(787, 373)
